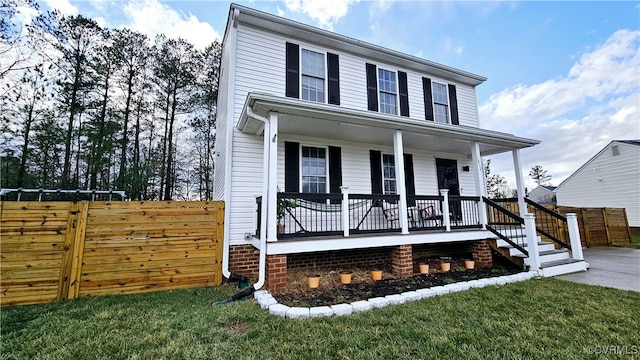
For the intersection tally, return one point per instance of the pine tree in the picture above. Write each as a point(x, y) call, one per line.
point(539, 175)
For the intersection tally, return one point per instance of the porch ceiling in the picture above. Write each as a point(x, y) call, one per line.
point(334, 122)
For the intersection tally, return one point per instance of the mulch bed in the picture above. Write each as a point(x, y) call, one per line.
point(332, 292)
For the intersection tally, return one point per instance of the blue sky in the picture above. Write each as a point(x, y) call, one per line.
point(566, 73)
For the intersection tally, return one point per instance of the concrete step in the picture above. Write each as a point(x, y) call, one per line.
point(542, 247)
point(561, 267)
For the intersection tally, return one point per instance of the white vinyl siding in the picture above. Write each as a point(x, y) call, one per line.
point(606, 181)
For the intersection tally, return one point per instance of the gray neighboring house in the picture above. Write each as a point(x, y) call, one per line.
point(543, 194)
point(609, 179)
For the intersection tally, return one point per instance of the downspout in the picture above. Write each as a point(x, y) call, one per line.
point(263, 212)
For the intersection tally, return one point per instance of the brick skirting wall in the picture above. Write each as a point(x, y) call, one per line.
point(244, 259)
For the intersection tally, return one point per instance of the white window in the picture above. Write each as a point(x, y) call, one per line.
point(314, 170)
point(440, 103)
point(313, 75)
point(388, 91)
point(388, 174)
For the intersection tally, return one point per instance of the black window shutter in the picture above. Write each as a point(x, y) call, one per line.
point(372, 88)
point(291, 166)
point(376, 171)
point(293, 73)
point(335, 169)
point(453, 103)
point(409, 178)
point(333, 70)
point(428, 99)
point(403, 91)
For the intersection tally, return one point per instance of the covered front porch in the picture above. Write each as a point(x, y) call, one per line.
point(438, 183)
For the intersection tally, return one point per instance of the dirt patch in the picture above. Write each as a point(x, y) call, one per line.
point(332, 292)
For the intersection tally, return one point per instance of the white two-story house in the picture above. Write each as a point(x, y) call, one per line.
point(330, 147)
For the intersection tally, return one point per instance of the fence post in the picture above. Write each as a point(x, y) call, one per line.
point(574, 236)
point(78, 250)
point(67, 255)
point(445, 208)
point(532, 242)
point(345, 210)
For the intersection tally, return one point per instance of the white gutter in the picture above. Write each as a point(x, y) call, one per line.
point(265, 196)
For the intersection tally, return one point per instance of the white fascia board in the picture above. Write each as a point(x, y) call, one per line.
point(305, 245)
point(265, 103)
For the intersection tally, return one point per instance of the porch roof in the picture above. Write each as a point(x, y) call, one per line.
point(313, 119)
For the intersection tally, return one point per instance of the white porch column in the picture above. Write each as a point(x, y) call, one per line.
point(532, 242)
point(401, 186)
point(272, 202)
point(345, 210)
point(522, 206)
point(445, 209)
point(481, 183)
point(574, 236)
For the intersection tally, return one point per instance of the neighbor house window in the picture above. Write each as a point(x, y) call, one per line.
point(387, 86)
point(313, 75)
point(388, 174)
point(440, 103)
point(314, 170)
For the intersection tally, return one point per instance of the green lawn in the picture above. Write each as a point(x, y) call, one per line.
point(539, 319)
point(635, 242)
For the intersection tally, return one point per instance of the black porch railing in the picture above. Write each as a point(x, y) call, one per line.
point(304, 214)
point(464, 212)
point(309, 214)
point(549, 224)
point(506, 225)
point(370, 213)
point(425, 212)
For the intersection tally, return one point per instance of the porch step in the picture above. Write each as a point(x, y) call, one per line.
point(542, 247)
point(561, 267)
point(551, 256)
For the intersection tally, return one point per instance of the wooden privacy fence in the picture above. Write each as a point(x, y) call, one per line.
point(63, 250)
point(598, 226)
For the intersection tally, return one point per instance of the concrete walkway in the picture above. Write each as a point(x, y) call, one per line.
point(611, 267)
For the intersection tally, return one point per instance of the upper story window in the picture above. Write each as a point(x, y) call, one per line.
point(313, 75)
point(387, 86)
point(388, 174)
point(387, 91)
point(314, 169)
point(440, 103)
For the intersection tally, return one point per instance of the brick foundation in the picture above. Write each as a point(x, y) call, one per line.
point(244, 260)
point(276, 273)
point(402, 261)
point(364, 258)
point(481, 253)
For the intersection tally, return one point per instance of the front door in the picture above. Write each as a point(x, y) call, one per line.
point(447, 171)
point(448, 175)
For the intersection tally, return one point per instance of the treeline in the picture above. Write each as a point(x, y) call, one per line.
point(86, 107)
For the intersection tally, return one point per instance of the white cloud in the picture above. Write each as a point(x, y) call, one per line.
point(576, 115)
point(152, 17)
point(64, 6)
point(324, 12)
point(451, 46)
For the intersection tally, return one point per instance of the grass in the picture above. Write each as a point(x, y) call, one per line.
point(541, 318)
point(635, 242)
